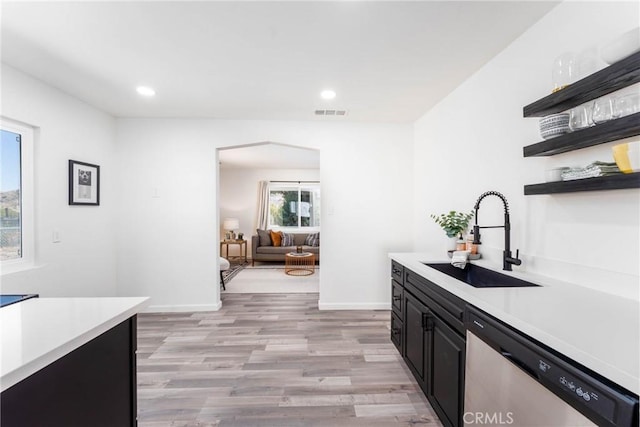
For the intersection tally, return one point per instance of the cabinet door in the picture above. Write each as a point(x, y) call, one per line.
point(415, 336)
point(446, 373)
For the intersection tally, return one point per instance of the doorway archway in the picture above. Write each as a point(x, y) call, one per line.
point(240, 168)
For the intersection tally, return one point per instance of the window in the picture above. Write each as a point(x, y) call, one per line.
point(16, 194)
point(294, 205)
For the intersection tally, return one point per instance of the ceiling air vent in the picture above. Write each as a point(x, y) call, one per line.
point(331, 112)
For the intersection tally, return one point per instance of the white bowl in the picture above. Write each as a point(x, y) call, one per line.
point(634, 159)
point(554, 118)
point(555, 174)
point(627, 156)
point(554, 131)
point(554, 125)
point(621, 47)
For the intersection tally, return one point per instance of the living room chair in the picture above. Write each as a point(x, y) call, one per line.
point(224, 266)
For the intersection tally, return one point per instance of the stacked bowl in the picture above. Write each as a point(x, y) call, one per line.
point(554, 125)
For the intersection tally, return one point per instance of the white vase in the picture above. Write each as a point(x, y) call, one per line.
point(451, 244)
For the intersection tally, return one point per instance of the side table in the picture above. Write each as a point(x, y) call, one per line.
point(241, 243)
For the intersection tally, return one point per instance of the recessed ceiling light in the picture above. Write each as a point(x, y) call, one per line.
point(328, 94)
point(145, 91)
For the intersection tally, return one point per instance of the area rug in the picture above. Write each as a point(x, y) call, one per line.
point(232, 272)
point(270, 281)
point(271, 265)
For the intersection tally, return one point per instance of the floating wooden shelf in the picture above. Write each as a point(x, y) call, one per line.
point(616, 76)
point(613, 182)
point(606, 132)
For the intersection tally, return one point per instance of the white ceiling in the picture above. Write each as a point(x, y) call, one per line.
point(269, 156)
point(388, 61)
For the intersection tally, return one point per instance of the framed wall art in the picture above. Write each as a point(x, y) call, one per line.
point(84, 184)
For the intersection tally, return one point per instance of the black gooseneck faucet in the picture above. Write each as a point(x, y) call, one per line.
point(507, 259)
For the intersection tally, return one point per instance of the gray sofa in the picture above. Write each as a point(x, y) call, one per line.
point(277, 253)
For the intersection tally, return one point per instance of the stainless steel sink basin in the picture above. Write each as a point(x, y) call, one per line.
point(480, 277)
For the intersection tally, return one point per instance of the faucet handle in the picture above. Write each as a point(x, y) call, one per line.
point(476, 235)
point(516, 260)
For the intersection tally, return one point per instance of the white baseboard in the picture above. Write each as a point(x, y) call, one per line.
point(183, 308)
point(354, 306)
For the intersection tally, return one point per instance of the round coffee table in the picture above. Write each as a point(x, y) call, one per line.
point(299, 264)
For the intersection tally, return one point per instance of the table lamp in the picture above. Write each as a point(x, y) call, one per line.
point(231, 224)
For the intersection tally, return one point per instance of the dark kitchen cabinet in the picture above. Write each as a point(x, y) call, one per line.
point(397, 272)
point(434, 344)
point(397, 304)
point(397, 290)
point(94, 385)
point(397, 334)
point(447, 371)
point(416, 337)
point(435, 354)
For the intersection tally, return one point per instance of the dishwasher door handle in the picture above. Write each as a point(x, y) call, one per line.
point(520, 364)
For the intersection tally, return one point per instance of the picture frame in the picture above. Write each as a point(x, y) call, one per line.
point(84, 183)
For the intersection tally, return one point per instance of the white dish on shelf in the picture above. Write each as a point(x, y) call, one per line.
point(554, 119)
point(622, 46)
point(554, 125)
point(554, 132)
point(555, 174)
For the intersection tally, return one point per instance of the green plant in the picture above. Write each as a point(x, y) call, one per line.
point(453, 223)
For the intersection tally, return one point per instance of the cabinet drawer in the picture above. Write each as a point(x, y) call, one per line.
point(397, 272)
point(396, 332)
point(397, 292)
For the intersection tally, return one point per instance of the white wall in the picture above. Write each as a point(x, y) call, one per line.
point(472, 142)
point(83, 263)
point(239, 195)
point(167, 245)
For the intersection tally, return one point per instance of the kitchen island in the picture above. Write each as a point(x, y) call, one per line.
point(69, 361)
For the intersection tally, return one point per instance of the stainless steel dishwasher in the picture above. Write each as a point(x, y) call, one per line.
point(512, 380)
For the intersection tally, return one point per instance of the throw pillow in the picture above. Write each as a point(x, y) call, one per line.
point(276, 237)
point(264, 237)
point(312, 239)
point(288, 239)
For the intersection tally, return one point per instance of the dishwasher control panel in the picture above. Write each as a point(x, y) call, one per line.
point(581, 392)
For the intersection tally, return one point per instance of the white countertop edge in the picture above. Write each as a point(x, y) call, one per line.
point(13, 377)
point(414, 262)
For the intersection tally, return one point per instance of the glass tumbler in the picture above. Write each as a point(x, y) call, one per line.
point(603, 110)
point(563, 72)
point(580, 117)
point(627, 105)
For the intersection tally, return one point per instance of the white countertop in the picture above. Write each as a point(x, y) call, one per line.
point(39, 331)
point(599, 330)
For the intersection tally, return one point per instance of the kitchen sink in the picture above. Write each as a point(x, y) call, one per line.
point(480, 277)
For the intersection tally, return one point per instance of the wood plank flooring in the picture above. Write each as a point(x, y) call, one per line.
point(274, 360)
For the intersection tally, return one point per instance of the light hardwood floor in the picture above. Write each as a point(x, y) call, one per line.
point(274, 360)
